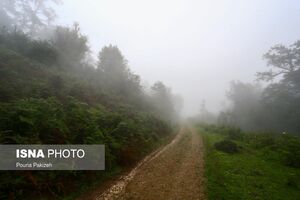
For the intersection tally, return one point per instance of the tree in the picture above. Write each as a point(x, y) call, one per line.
point(246, 105)
point(163, 101)
point(6, 8)
point(204, 115)
point(72, 46)
point(111, 61)
point(284, 60)
point(115, 73)
point(281, 99)
point(28, 15)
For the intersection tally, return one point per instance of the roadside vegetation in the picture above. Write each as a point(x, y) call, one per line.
point(261, 158)
point(53, 92)
point(240, 165)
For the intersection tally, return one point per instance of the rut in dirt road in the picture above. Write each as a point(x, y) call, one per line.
point(176, 172)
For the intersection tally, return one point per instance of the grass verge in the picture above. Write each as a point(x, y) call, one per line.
point(257, 171)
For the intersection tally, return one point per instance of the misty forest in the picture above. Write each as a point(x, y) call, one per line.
point(58, 85)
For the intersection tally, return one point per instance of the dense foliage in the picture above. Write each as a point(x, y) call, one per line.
point(53, 92)
point(49, 94)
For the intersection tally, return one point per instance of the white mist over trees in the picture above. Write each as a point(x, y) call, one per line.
point(29, 15)
point(163, 99)
point(252, 106)
point(277, 106)
point(196, 47)
point(68, 48)
point(85, 84)
point(71, 44)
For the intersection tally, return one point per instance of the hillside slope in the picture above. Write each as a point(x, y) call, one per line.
point(45, 102)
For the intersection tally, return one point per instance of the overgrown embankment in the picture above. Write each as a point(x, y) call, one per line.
point(250, 166)
point(48, 97)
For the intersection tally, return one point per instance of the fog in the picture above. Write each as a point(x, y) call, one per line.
point(152, 79)
point(196, 47)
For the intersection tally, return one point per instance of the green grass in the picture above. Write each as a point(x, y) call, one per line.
point(253, 173)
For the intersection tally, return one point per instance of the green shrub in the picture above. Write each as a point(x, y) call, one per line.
point(293, 181)
point(292, 160)
point(227, 146)
point(235, 134)
point(43, 52)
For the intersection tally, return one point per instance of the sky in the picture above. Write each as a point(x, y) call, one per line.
point(194, 46)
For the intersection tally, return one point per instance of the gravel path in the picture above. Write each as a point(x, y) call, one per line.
point(174, 172)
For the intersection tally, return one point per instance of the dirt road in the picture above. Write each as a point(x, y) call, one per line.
point(175, 172)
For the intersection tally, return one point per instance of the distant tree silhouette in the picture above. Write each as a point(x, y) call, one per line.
point(72, 46)
point(284, 61)
point(28, 15)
